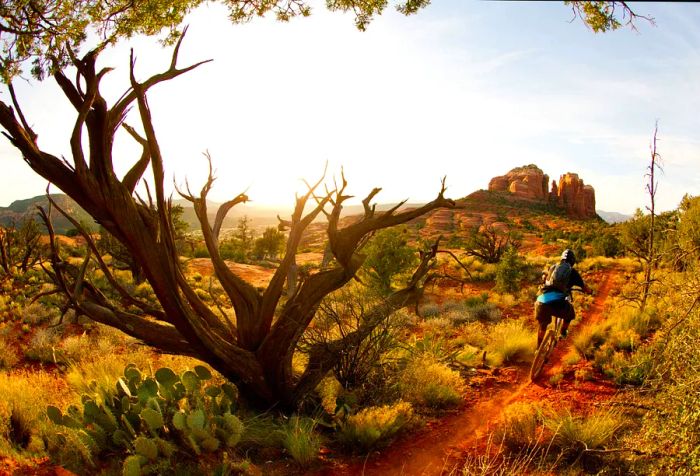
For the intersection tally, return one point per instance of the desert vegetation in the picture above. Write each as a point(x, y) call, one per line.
point(133, 343)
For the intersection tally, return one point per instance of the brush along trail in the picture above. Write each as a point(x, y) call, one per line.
point(439, 446)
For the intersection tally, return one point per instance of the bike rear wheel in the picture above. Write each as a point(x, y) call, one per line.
point(543, 353)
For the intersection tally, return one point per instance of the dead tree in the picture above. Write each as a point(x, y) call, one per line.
point(651, 258)
point(19, 246)
point(255, 352)
point(489, 243)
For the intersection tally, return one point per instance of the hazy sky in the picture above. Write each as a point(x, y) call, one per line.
point(466, 89)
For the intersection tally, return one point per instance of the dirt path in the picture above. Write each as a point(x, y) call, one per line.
point(432, 451)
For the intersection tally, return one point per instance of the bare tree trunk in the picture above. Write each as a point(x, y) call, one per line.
point(650, 261)
point(256, 351)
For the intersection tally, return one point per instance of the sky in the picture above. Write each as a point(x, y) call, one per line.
point(464, 89)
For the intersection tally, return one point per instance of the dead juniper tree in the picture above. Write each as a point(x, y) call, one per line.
point(255, 350)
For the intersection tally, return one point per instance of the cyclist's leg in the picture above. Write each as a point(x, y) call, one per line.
point(543, 315)
point(568, 314)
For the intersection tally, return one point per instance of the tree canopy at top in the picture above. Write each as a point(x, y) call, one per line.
point(46, 33)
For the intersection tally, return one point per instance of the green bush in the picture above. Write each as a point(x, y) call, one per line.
point(509, 271)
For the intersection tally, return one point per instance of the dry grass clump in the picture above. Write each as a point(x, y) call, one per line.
point(427, 382)
point(375, 425)
point(475, 334)
point(300, 440)
point(510, 341)
point(574, 434)
point(520, 426)
point(25, 432)
point(37, 313)
point(43, 346)
point(505, 300)
point(8, 355)
point(589, 339)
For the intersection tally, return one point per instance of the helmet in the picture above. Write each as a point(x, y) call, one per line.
point(568, 256)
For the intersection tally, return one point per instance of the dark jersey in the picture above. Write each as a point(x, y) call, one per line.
point(575, 279)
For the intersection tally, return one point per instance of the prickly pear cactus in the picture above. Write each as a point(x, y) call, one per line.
point(152, 419)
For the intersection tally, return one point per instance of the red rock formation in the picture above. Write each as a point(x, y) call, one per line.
point(528, 182)
point(577, 198)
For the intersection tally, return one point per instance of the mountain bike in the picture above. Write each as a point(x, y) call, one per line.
point(549, 341)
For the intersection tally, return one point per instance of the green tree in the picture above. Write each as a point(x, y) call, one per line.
point(606, 244)
point(689, 226)
point(270, 244)
point(45, 33)
point(388, 255)
point(239, 246)
point(509, 271)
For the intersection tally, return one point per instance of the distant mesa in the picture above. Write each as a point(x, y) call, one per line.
point(530, 183)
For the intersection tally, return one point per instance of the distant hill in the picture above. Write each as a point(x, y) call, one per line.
point(263, 216)
point(613, 217)
point(20, 209)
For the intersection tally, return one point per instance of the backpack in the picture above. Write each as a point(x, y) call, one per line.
point(558, 277)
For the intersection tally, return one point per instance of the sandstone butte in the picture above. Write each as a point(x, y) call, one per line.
point(530, 183)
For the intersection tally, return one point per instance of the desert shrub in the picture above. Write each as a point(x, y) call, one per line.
point(342, 313)
point(300, 440)
point(572, 357)
point(574, 434)
point(556, 379)
point(509, 271)
point(485, 312)
point(588, 339)
point(375, 426)
point(437, 326)
point(329, 389)
point(37, 313)
point(429, 310)
point(629, 369)
point(42, 347)
point(426, 382)
point(642, 323)
point(75, 348)
point(673, 432)
point(510, 341)
point(475, 334)
point(519, 428)
point(470, 356)
point(505, 300)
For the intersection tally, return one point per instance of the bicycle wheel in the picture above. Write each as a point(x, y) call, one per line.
point(542, 353)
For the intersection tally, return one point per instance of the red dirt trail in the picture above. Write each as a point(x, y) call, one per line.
point(435, 449)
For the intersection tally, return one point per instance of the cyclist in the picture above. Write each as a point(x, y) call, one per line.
point(553, 299)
